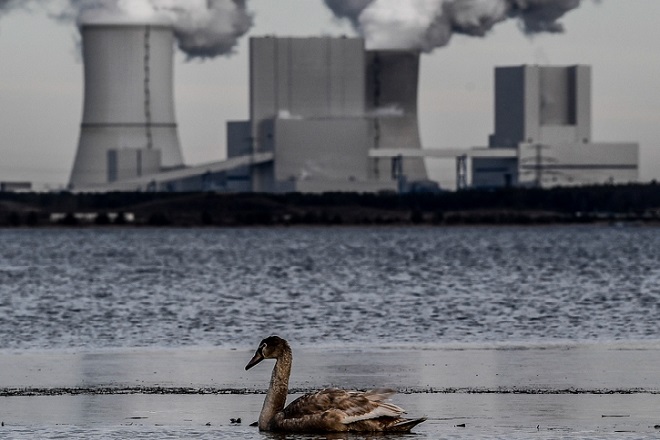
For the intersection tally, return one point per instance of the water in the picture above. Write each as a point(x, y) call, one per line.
point(410, 286)
point(474, 322)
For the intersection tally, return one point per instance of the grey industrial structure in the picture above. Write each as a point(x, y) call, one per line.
point(543, 116)
point(128, 126)
point(325, 115)
point(320, 105)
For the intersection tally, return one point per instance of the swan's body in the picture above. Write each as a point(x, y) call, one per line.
point(329, 410)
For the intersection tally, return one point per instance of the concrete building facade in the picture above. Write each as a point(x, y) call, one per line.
point(541, 104)
point(544, 113)
point(320, 104)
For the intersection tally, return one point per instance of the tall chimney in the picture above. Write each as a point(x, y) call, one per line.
point(128, 126)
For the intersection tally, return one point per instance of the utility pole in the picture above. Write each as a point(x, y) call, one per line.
point(461, 172)
point(539, 171)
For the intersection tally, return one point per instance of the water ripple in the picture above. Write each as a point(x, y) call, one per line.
point(176, 287)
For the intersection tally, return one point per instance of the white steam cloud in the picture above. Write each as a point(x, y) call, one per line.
point(8, 5)
point(429, 24)
point(203, 28)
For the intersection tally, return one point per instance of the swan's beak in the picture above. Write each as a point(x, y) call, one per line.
point(258, 357)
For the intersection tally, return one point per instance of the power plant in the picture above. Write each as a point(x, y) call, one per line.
point(128, 126)
point(326, 115)
point(319, 105)
point(543, 117)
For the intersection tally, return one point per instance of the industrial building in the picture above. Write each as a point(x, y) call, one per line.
point(326, 115)
point(543, 117)
point(320, 105)
point(128, 126)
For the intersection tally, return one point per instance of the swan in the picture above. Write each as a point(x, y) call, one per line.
point(328, 410)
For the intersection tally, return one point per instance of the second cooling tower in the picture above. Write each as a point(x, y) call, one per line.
point(392, 80)
point(321, 104)
point(128, 126)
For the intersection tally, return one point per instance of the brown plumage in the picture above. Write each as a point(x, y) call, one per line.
point(329, 410)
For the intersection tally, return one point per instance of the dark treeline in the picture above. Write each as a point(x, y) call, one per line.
point(504, 206)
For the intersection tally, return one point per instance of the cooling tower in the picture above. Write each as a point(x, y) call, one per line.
point(128, 125)
point(392, 85)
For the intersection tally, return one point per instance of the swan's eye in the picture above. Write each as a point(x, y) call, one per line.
point(262, 347)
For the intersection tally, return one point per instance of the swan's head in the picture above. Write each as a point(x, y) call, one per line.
point(270, 348)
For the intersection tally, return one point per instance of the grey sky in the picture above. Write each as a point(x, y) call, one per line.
point(41, 83)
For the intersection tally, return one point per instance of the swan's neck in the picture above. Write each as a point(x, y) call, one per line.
point(278, 389)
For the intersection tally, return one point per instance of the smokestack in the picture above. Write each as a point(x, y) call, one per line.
point(428, 24)
point(128, 113)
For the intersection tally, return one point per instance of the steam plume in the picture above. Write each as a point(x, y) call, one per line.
point(350, 9)
point(8, 5)
point(203, 28)
point(429, 24)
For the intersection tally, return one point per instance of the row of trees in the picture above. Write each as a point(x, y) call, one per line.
point(513, 205)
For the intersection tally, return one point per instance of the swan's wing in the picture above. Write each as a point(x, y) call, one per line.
point(356, 409)
point(351, 406)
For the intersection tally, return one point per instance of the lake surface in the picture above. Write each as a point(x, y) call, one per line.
point(412, 286)
point(540, 332)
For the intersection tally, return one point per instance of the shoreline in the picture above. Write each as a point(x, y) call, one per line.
point(593, 368)
point(590, 391)
point(637, 203)
point(459, 416)
point(634, 222)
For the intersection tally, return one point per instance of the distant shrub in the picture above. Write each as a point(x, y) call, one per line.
point(158, 219)
point(32, 219)
point(206, 218)
point(102, 218)
point(69, 220)
point(13, 219)
point(416, 217)
point(120, 219)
